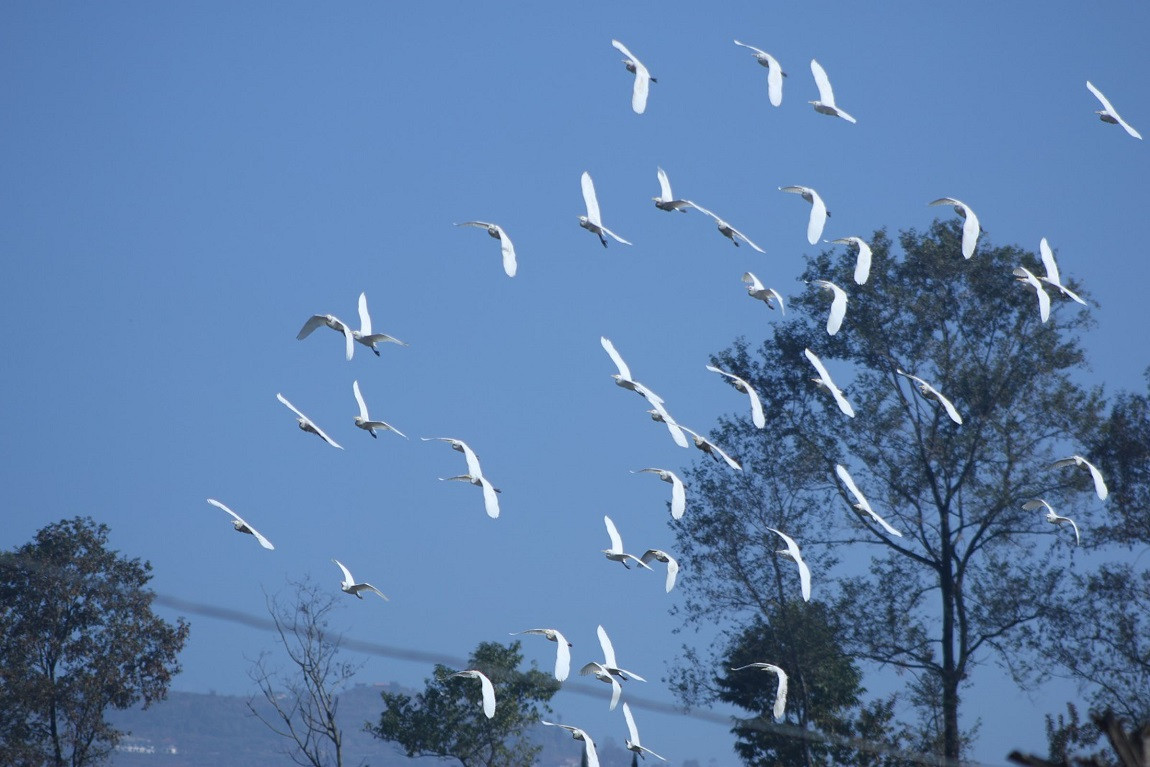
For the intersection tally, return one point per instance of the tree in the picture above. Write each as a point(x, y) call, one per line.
point(77, 636)
point(304, 700)
point(973, 574)
point(446, 719)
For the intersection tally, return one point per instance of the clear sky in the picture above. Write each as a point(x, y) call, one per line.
point(185, 184)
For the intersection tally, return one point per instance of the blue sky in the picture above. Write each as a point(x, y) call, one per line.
point(186, 184)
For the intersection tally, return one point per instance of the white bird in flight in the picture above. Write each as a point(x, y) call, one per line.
point(363, 420)
point(838, 305)
point(350, 586)
point(600, 672)
point(364, 334)
point(333, 322)
point(505, 244)
point(826, 101)
point(609, 662)
point(632, 741)
point(825, 382)
point(711, 449)
point(1108, 114)
point(307, 424)
point(781, 695)
point(861, 503)
point(678, 491)
point(659, 555)
point(744, 387)
point(242, 526)
point(970, 225)
point(794, 553)
point(1052, 276)
point(562, 650)
point(666, 199)
point(725, 229)
point(755, 289)
point(1052, 517)
point(929, 392)
point(578, 734)
point(485, 686)
point(616, 553)
point(592, 221)
point(1077, 460)
point(474, 474)
point(775, 73)
point(862, 265)
point(643, 78)
point(1026, 277)
point(819, 212)
point(625, 380)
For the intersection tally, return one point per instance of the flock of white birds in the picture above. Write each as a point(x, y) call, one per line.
point(608, 670)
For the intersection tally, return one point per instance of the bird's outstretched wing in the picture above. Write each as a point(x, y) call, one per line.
point(664, 186)
point(826, 93)
point(359, 400)
point(617, 547)
point(589, 199)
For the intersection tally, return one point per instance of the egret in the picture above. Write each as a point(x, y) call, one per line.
point(659, 555)
point(578, 734)
point(609, 658)
point(666, 200)
point(600, 672)
point(725, 229)
point(592, 221)
point(307, 424)
point(485, 685)
point(632, 741)
point(819, 212)
point(824, 381)
point(333, 322)
point(1052, 517)
point(1052, 277)
point(1025, 276)
point(861, 503)
point(794, 553)
point(929, 392)
point(364, 334)
point(562, 650)
point(744, 387)
point(838, 305)
point(678, 491)
point(363, 420)
point(1077, 460)
point(643, 78)
point(505, 244)
point(775, 73)
point(755, 289)
point(241, 526)
point(1108, 114)
point(781, 695)
point(474, 474)
point(616, 553)
point(826, 101)
point(970, 225)
point(711, 449)
point(349, 585)
point(862, 265)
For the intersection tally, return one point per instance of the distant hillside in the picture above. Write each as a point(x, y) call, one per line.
point(207, 730)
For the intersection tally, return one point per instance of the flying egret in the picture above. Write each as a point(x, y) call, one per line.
point(490, 499)
point(755, 289)
point(485, 685)
point(363, 420)
point(624, 378)
point(1052, 277)
point(970, 226)
point(307, 424)
point(333, 322)
point(861, 503)
point(794, 553)
point(862, 265)
point(666, 200)
point(838, 305)
point(242, 526)
point(711, 449)
point(609, 662)
point(364, 334)
point(725, 229)
point(1026, 277)
point(775, 73)
point(562, 650)
point(672, 564)
point(824, 381)
point(632, 741)
point(1108, 114)
point(744, 387)
point(349, 585)
point(592, 222)
point(826, 101)
point(678, 491)
point(578, 734)
point(616, 553)
point(474, 474)
point(600, 672)
point(1077, 460)
point(781, 695)
point(505, 244)
point(659, 413)
point(819, 212)
point(643, 78)
point(1052, 517)
point(929, 392)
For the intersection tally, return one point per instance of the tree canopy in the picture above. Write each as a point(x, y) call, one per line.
point(973, 574)
point(77, 636)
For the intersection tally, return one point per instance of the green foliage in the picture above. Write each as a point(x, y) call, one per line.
point(77, 636)
point(447, 719)
point(974, 575)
